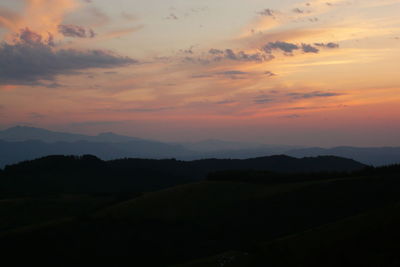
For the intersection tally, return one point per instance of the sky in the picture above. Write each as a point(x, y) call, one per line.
point(312, 72)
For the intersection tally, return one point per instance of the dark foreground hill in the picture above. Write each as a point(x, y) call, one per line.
point(89, 174)
point(325, 221)
point(377, 156)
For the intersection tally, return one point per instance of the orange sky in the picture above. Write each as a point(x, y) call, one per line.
point(294, 72)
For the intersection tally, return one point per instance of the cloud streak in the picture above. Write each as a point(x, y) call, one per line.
point(76, 31)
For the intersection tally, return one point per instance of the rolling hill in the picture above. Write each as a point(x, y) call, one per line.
point(345, 220)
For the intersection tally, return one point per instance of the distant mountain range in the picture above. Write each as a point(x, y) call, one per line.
point(23, 133)
point(26, 143)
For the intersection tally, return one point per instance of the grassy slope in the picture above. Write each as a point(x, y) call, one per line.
point(199, 202)
point(203, 219)
point(367, 239)
point(29, 211)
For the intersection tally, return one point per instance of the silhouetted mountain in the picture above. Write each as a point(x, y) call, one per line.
point(221, 147)
point(13, 152)
point(16, 144)
point(24, 133)
point(377, 156)
point(90, 174)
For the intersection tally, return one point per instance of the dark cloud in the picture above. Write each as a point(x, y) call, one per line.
point(309, 48)
point(327, 45)
point(264, 54)
point(232, 72)
point(315, 94)
point(26, 36)
point(32, 60)
point(239, 56)
point(262, 100)
point(267, 12)
point(290, 47)
point(75, 31)
point(216, 51)
point(284, 46)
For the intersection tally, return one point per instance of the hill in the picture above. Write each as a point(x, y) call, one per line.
point(87, 174)
point(377, 156)
point(239, 224)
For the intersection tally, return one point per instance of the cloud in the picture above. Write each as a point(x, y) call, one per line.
point(232, 72)
point(214, 51)
point(262, 100)
point(315, 94)
point(284, 46)
point(238, 56)
point(267, 13)
point(290, 47)
point(75, 31)
point(309, 48)
point(32, 59)
point(27, 36)
point(327, 45)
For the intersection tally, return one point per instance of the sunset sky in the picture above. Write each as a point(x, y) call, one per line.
point(311, 72)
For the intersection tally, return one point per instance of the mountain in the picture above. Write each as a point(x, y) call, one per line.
point(221, 146)
point(23, 133)
point(377, 156)
point(26, 143)
point(88, 174)
point(13, 152)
